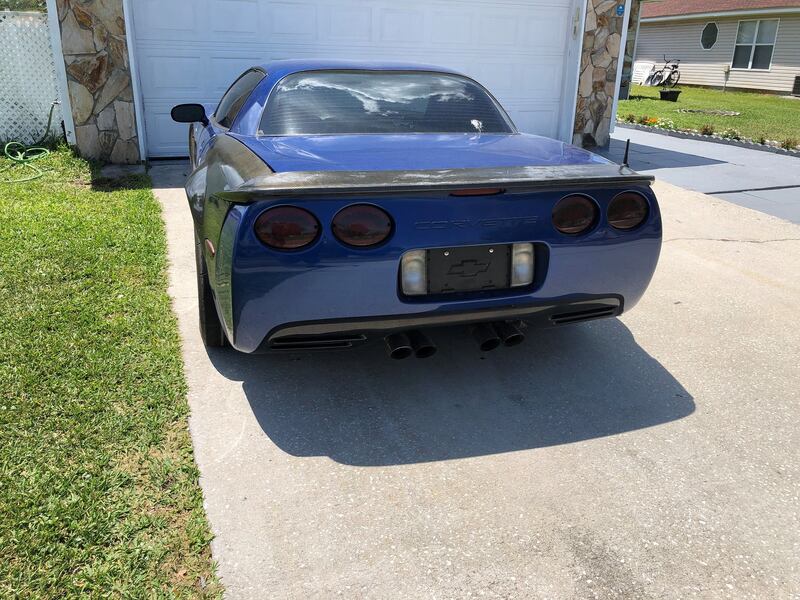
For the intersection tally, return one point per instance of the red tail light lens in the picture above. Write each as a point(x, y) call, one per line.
point(362, 225)
point(574, 215)
point(627, 210)
point(287, 227)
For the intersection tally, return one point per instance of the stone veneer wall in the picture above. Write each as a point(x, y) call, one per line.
point(99, 79)
point(596, 86)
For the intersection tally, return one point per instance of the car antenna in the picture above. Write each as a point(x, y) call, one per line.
point(625, 157)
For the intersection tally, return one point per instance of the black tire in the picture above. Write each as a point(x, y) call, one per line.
point(656, 79)
point(673, 78)
point(210, 326)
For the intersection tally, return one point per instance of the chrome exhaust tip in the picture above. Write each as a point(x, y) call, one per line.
point(398, 346)
point(486, 336)
point(509, 333)
point(423, 345)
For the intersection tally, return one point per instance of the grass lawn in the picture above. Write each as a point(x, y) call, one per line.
point(99, 492)
point(772, 117)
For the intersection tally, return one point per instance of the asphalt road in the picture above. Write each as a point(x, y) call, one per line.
point(657, 455)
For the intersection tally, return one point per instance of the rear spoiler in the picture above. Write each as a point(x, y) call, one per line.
point(306, 183)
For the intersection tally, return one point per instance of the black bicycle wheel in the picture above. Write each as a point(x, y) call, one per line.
point(673, 78)
point(657, 78)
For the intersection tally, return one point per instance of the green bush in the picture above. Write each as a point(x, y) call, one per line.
point(707, 129)
point(630, 118)
point(24, 5)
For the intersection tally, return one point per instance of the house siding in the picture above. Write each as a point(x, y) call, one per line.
point(707, 67)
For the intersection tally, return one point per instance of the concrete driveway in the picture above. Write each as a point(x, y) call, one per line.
point(657, 455)
point(764, 181)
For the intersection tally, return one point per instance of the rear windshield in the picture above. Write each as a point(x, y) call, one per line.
point(341, 102)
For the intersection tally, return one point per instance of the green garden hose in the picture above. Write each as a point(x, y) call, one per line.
point(24, 156)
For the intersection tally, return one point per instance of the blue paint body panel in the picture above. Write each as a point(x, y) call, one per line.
point(259, 290)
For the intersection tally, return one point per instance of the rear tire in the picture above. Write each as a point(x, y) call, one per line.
point(673, 78)
point(210, 326)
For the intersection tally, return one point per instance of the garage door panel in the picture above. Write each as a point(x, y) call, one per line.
point(172, 20)
point(164, 74)
point(401, 26)
point(235, 16)
point(346, 24)
point(162, 132)
point(192, 50)
point(290, 21)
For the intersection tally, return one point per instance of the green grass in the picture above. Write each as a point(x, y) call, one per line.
point(772, 117)
point(99, 492)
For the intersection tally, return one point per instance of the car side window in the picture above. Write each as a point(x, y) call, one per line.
point(233, 100)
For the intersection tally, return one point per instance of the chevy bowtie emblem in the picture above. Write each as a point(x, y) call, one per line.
point(468, 268)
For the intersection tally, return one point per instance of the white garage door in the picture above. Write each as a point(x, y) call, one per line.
point(525, 52)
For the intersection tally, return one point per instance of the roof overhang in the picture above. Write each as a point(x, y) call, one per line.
point(752, 12)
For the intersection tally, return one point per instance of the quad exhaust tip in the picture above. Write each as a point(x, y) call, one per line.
point(403, 345)
point(486, 336)
point(509, 333)
point(423, 345)
point(490, 335)
point(398, 346)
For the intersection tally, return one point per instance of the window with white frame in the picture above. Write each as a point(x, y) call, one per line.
point(755, 42)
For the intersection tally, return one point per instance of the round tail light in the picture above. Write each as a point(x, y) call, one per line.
point(362, 225)
point(573, 215)
point(627, 210)
point(287, 227)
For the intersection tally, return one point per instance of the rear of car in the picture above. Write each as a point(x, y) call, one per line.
point(396, 201)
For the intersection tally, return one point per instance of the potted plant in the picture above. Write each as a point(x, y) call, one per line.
point(669, 94)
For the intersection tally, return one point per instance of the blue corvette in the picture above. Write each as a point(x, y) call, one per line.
point(337, 203)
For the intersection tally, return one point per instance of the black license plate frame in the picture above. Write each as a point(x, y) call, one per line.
point(469, 269)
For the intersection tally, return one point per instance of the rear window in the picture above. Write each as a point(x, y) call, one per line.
point(341, 102)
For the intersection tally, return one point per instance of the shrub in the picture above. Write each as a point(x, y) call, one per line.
point(643, 120)
point(665, 124)
point(789, 144)
point(707, 129)
point(762, 140)
point(630, 118)
point(731, 134)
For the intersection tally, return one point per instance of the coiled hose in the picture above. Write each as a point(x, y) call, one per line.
point(24, 156)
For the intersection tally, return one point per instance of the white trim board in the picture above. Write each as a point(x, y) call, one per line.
point(61, 71)
point(138, 107)
point(620, 63)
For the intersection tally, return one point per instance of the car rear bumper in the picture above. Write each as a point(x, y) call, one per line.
point(346, 333)
point(265, 296)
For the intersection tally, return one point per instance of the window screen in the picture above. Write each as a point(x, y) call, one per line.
point(341, 102)
point(234, 98)
point(755, 41)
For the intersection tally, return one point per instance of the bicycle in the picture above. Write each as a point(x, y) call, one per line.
point(668, 75)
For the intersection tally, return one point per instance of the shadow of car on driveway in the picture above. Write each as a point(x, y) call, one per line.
point(359, 407)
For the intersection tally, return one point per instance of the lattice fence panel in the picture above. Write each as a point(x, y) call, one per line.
point(27, 77)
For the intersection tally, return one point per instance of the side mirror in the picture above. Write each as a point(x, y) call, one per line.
point(189, 113)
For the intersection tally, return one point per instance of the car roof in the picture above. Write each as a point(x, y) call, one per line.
point(281, 68)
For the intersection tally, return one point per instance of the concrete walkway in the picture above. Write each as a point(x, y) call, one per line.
point(653, 456)
point(735, 174)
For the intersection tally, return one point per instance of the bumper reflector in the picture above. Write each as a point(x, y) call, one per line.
point(414, 272)
point(522, 265)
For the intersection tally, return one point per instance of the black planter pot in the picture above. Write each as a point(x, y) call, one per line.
point(670, 95)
